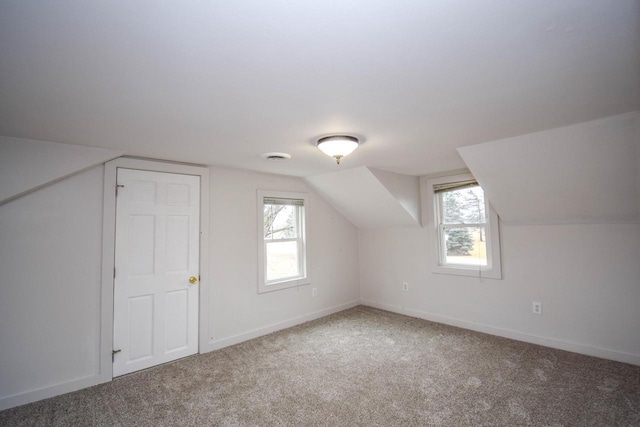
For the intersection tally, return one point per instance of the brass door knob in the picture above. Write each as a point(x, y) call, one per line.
point(193, 279)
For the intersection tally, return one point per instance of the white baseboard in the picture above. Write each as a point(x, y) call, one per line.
point(255, 333)
point(80, 383)
point(89, 381)
point(507, 333)
point(51, 391)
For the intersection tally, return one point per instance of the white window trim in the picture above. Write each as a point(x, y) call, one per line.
point(493, 269)
point(303, 279)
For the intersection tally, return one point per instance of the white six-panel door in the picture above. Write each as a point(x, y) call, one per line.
point(157, 252)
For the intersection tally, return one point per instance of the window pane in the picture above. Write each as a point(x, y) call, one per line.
point(463, 206)
point(280, 221)
point(282, 260)
point(466, 246)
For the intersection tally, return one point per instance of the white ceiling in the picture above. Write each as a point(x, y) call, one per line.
point(371, 198)
point(221, 82)
point(580, 174)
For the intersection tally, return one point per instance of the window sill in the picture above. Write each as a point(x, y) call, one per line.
point(484, 273)
point(284, 284)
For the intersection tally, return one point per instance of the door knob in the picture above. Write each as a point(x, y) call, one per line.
point(193, 279)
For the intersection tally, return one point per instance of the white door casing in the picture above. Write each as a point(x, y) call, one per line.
point(156, 252)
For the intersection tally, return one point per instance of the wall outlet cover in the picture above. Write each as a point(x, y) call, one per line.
point(536, 307)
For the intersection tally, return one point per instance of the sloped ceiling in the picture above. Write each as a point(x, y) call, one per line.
point(585, 173)
point(221, 82)
point(27, 165)
point(371, 198)
point(405, 189)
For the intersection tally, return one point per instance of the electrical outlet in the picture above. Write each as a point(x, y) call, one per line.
point(405, 286)
point(536, 307)
point(314, 292)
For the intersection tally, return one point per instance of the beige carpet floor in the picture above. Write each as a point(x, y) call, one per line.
point(359, 367)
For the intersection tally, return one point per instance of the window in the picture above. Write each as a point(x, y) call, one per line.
point(465, 228)
point(282, 244)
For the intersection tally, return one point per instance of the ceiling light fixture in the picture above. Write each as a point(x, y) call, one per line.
point(338, 146)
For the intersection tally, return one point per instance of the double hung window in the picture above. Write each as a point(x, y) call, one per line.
point(462, 223)
point(465, 228)
point(282, 247)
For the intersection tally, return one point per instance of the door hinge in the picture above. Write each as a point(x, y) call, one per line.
point(113, 354)
point(118, 186)
point(114, 272)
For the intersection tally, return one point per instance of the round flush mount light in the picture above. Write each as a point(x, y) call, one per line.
point(275, 157)
point(337, 146)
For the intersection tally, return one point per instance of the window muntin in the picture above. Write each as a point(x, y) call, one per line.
point(282, 253)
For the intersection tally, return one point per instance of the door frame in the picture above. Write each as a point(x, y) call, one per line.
point(109, 248)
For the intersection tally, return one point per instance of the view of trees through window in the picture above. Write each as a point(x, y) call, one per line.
point(463, 222)
point(281, 241)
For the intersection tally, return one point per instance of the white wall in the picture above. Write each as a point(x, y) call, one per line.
point(237, 311)
point(50, 277)
point(50, 271)
point(586, 276)
point(26, 165)
point(50, 260)
point(584, 173)
point(582, 181)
